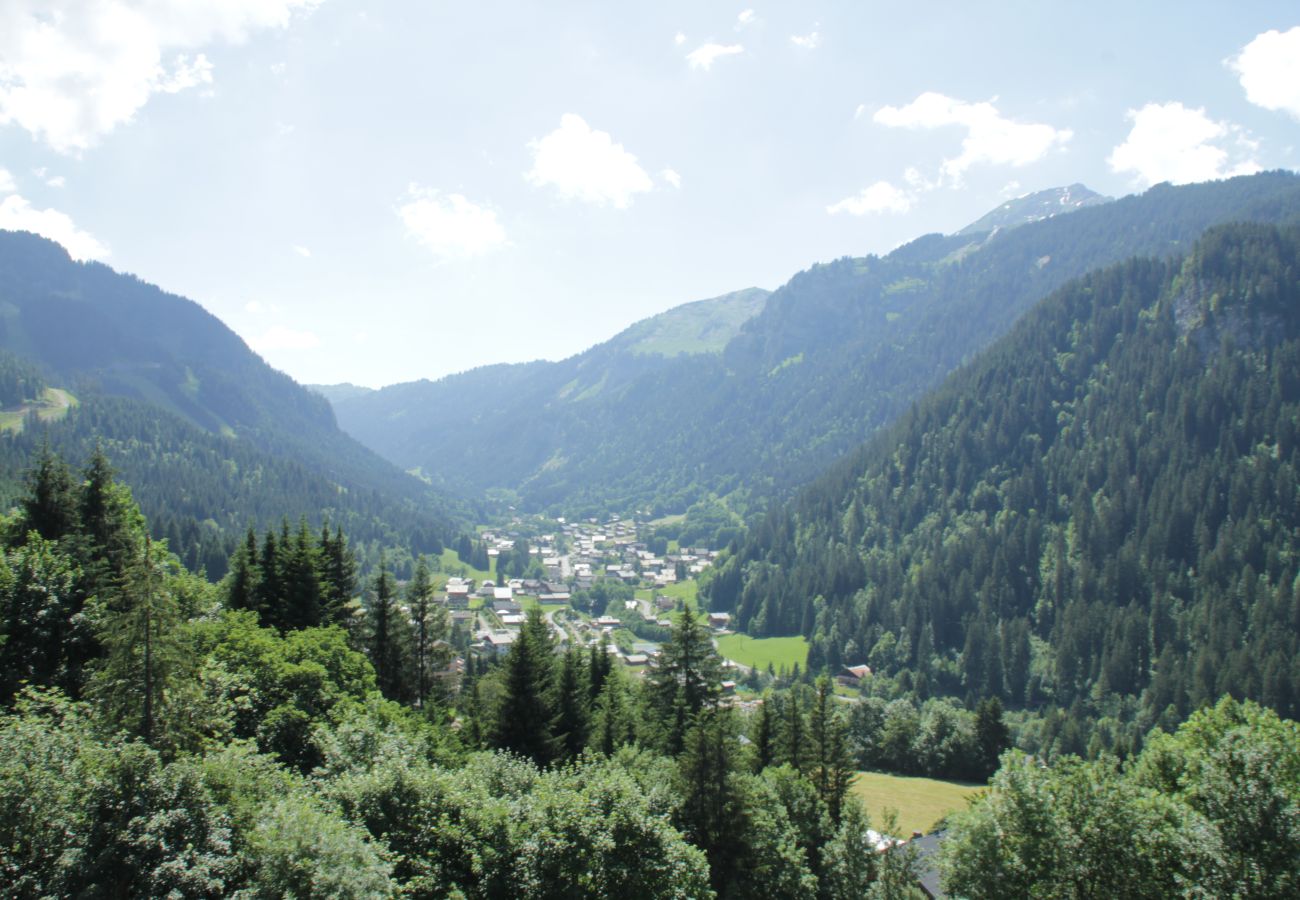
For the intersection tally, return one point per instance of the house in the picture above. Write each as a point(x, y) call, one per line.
point(664, 602)
point(503, 593)
point(506, 606)
point(719, 620)
point(458, 595)
point(512, 620)
point(927, 869)
point(636, 659)
point(499, 643)
point(608, 622)
point(853, 676)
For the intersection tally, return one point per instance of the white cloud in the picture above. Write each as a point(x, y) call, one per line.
point(746, 17)
point(671, 176)
point(16, 214)
point(679, 39)
point(857, 113)
point(73, 70)
point(1169, 142)
point(990, 137)
point(452, 227)
point(302, 251)
point(7, 184)
point(56, 181)
point(880, 197)
point(278, 69)
point(1269, 69)
point(256, 307)
point(585, 164)
point(281, 337)
point(810, 41)
point(703, 57)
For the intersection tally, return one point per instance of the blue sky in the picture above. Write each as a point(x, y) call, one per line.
point(381, 191)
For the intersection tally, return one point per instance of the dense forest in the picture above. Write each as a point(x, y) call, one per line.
point(1096, 516)
point(286, 733)
point(838, 352)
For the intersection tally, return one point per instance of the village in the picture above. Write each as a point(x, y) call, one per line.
point(592, 580)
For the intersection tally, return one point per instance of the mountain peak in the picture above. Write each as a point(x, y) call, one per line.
point(1035, 207)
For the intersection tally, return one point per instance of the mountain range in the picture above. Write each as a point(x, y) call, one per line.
point(747, 396)
point(211, 438)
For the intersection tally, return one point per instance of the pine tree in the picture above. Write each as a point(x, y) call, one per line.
point(300, 579)
point(138, 682)
point(338, 576)
point(686, 678)
point(50, 505)
point(244, 580)
point(430, 651)
point(832, 764)
point(384, 639)
point(526, 719)
point(572, 704)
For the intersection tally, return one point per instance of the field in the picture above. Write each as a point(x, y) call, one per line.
point(54, 404)
point(781, 652)
point(451, 564)
point(920, 802)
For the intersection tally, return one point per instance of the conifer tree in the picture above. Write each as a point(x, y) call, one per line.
point(572, 704)
point(526, 719)
point(50, 505)
point(832, 764)
point(338, 576)
point(385, 644)
point(243, 582)
point(686, 678)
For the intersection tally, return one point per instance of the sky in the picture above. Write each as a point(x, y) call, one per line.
point(374, 192)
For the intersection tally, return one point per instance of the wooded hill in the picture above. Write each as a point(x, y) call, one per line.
point(210, 437)
point(836, 353)
point(1099, 513)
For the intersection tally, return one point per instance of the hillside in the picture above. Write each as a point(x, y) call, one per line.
point(164, 383)
point(839, 351)
point(1099, 513)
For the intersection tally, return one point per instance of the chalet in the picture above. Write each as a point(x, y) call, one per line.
point(502, 593)
point(499, 643)
point(555, 597)
point(665, 603)
point(458, 595)
point(608, 622)
point(853, 676)
point(512, 620)
point(636, 659)
point(719, 620)
point(506, 606)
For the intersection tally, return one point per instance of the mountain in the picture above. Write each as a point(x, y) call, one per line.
point(836, 353)
point(163, 383)
point(1099, 513)
point(342, 391)
point(1035, 207)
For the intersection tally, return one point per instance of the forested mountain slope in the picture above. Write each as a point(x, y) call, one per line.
point(209, 436)
point(836, 353)
point(1102, 507)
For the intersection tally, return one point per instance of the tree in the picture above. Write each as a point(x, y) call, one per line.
point(49, 506)
point(338, 576)
point(832, 764)
point(686, 678)
point(525, 722)
point(244, 580)
point(990, 734)
point(429, 632)
point(572, 704)
point(387, 630)
point(140, 682)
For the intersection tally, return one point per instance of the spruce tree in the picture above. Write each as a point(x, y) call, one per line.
point(686, 678)
point(50, 505)
point(526, 719)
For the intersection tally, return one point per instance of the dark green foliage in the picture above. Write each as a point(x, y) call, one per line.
point(686, 679)
point(1101, 507)
point(20, 381)
point(526, 721)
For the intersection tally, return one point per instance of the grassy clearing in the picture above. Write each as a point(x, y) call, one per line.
point(53, 405)
point(920, 802)
point(451, 565)
point(781, 652)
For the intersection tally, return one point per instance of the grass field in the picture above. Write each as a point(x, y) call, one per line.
point(54, 404)
point(920, 802)
point(782, 652)
point(451, 564)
